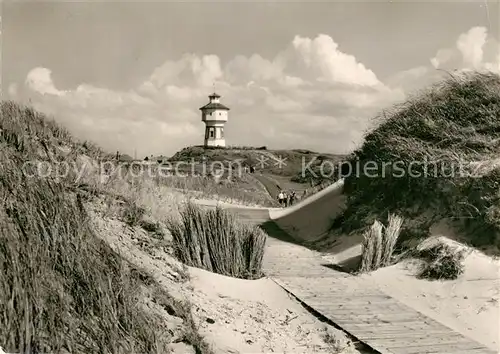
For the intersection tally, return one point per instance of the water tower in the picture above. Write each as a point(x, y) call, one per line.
point(214, 114)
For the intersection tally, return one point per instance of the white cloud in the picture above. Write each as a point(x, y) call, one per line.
point(207, 69)
point(40, 80)
point(470, 45)
point(474, 49)
point(326, 62)
point(310, 95)
point(443, 56)
point(190, 71)
point(124, 121)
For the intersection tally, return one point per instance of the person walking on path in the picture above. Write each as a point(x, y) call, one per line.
point(292, 198)
point(285, 199)
point(281, 197)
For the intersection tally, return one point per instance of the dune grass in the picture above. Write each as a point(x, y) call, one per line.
point(440, 262)
point(239, 190)
point(378, 244)
point(215, 241)
point(427, 150)
point(371, 238)
point(62, 288)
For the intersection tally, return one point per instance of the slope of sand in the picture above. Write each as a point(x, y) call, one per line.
point(469, 305)
point(257, 316)
point(311, 219)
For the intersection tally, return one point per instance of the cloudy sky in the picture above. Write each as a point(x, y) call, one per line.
point(131, 76)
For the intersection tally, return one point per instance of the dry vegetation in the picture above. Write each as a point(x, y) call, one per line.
point(441, 262)
point(272, 176)
point(62, 288)
point(292, 167)
point(452, 126)
point(215, 241)
point(378, 244)
point(438, 261)
point(236, 187)
point(239, 189)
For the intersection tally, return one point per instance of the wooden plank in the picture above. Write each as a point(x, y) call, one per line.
point(376, 319)
point(356, 305)
point(470, 351)
point(363, 309)
point(361, 306)
point(369, 331)
point(376, 334)
point(412, 348)
point(357, 317)
point(404, 341)
point(411, 325)
point(390, 332)
point(347, 297)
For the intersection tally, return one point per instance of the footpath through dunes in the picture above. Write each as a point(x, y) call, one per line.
point(272, 188)
point(354, 304)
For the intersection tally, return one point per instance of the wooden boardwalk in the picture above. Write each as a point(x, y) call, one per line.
point(358, 307)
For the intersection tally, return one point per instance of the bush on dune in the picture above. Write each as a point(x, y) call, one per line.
point(215, 241)
point(441, 262)
point(426, 151)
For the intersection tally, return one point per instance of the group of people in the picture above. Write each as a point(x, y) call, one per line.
point(248, 169)
point(286, 198)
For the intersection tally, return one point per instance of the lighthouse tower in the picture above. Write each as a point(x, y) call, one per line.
point(214, 114)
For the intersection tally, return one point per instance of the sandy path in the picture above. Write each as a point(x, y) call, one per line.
point(271, 186)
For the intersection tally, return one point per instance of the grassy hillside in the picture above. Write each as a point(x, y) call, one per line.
point(424, 159)
point(62, 288)
point(289, 169)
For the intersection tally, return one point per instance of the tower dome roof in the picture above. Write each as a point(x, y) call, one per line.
point(214, 105)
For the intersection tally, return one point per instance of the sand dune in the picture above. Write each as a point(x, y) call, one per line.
point(311, 219)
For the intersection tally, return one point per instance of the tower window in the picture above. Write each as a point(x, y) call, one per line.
point(221, 132)
point(211, 132)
